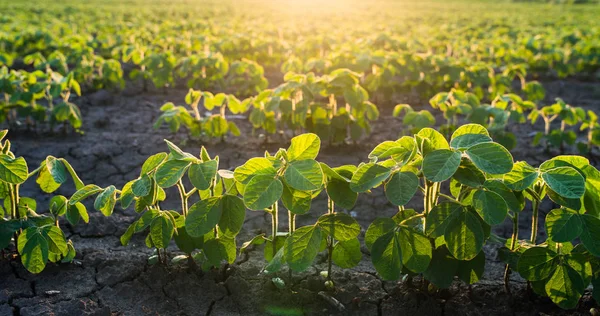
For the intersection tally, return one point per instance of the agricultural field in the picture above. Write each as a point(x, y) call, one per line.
point(334, 157)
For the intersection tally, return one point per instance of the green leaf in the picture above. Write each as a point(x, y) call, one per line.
point(464, 236)
point(368, 176)
point(7, 230)
point(161, 231)
point(491, 158)
point(341, 226)
point(429, 140)
point(302, 247)
point(153, 162)
point(347, 254)
point(565, 181)
point(77, 212)
point(220, 249)
point(441, 164)
point(471, 271)
point(563, 225)
point(203, 216)
point(304, 175)
point(442, 268)
point(84, 192)
point(415, 249)
point(169, 173)
point(341, 194)
point(386, 257)
point(56, 240)
point(521, 177)
point(490, 206)
point(470, 129)
point(56, 169)
point(141, 186)
point(295, 201)
point(401, 187)
point(565, 287)
point(514, 203)
point(58, 205)
point(536, 263)
point(33, 249)
point(106, 200)
point(305, 146)
point(233, 215)
point(590, 235)
point(378, 228)
point(262, 192)
point(440, 217)
point(201, 175)
point(13, 170)
point(466, 141)
point(468, 174)
point(254, 167)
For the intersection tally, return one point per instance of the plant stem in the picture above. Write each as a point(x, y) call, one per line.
point(291, 221)
point(513, 243)
point(330, 210)
point(534, 221)
point(184, 198)
point(411, 218)
point(274, 224)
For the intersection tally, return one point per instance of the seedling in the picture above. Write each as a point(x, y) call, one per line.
point(36, 238)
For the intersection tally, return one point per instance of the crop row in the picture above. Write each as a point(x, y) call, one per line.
point(467, 185)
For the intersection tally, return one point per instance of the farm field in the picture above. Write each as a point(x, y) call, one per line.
point(426, 145)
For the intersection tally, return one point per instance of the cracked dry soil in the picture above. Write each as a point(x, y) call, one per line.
point(109, 279)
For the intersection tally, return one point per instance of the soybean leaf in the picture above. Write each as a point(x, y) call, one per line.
point(161, 231)
point(471, 271)
point(521, 177)
point(254, 167)
point(490, 206)
point(565, 287)
point(85, 192)
point(378, 228)
point(56, 240)
point(33, 249)
point(295, 201)
point(466, 141)
point(232, 216)
point(77, 212)
point(169, 173)
point(415, 250)
point(515, 202)
point(441, 164)
point(304, 175)
point(428, 140)
point(491, 158)
point(347, 254)
point(565, 181)
point(262, 192)
point(368, 176)
point(201, 175)
point(563, 225)
point(106, 200)
point(141, 186)
point(464, 236)
point(203, 216)
point(56, 169)
point(341, 194)
point(13, 170)
point(301, 247)
point(220, 249)
point(152, 163)
point(440, 217)
point(537, 263)
point(401, 187)
point(442, 268)
point(386, 257)
point(305, 146)
point(340, 226)
point(590, 235)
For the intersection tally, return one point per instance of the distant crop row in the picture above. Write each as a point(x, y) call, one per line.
point(440, 241)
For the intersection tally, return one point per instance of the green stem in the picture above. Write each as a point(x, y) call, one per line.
point(291, 221)
point(274, 224)
point(184, 198)
point(330, 210)
point(534, 221)
point(513, 243)
point(411, 218)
